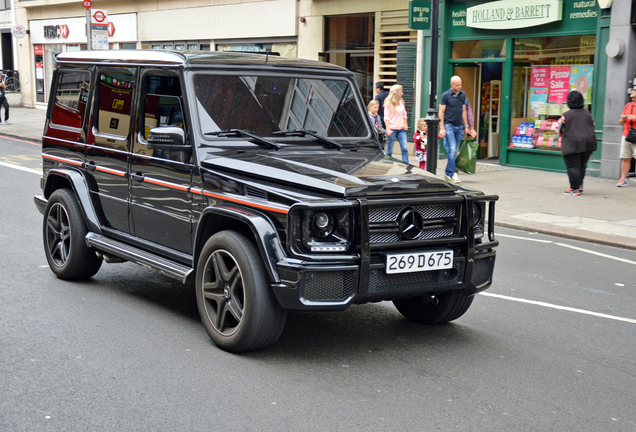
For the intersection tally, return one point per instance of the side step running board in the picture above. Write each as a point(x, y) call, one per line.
point(141, 257)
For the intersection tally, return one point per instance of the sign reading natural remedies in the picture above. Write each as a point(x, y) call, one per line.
point(512, 14)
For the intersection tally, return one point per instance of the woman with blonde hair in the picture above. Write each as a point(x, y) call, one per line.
point(395, 120)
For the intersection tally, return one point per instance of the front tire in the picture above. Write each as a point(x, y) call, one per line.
point(237, 307)
point(437, 309)
point(64, 232)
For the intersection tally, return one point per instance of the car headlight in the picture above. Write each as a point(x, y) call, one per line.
point(479, 214)
point(322, 224)
point(324, 230)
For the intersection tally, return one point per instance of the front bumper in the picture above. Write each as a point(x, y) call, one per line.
point(336, 287)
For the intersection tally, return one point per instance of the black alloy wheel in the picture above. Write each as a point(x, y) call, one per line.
point(64, 232)
point(236, 304)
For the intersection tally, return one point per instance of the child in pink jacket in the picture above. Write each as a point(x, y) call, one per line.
point(420, 139)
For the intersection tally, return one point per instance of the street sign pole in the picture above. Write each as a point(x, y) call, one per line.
point(88, 4)
point(88, 29)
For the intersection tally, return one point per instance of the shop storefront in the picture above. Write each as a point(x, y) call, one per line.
point(518, 61)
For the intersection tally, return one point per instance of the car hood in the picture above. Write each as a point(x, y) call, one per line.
point(345, 173)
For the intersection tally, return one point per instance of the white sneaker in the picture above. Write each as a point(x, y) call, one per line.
point(7, 122)
point(456, 178)
point(447, 178)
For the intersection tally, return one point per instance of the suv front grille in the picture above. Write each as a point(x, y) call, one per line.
point(426, 234)
point(439, 220)
point(386, 214)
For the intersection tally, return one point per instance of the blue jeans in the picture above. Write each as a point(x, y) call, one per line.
point(454, 136)
point(390, 140)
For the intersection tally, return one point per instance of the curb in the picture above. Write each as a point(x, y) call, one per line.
point(19, 137)
point(565, 235)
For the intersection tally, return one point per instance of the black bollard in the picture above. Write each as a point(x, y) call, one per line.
point(432, 121)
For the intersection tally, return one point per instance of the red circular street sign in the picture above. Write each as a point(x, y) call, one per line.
point(99, 16)
point(88, 4)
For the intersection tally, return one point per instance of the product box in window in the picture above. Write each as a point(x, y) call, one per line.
point(554, 109)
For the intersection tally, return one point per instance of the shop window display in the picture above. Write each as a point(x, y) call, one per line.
point(546, 70)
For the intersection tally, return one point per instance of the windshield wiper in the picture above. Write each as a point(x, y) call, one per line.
point(303, 132)
point(240, 132)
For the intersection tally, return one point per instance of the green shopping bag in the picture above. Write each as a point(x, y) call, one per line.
point(467, 156)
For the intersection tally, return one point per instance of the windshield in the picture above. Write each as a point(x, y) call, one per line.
point(267, 104)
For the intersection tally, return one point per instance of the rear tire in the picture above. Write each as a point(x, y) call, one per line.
point(64, 232)
point(438, 309)
point(236, 304)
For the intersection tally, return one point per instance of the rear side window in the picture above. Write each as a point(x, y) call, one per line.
point(114, 101)
point(71, 94)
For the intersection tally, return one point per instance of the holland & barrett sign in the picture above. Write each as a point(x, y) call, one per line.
point(512, 14)
point(420, 14)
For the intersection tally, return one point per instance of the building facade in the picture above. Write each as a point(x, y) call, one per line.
point(511, 65)
point(60, 25)
point(7, 42)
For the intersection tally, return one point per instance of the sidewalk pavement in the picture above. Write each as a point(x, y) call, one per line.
point(529, 199)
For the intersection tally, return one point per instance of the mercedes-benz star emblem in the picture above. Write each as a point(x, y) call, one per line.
point(410, 224)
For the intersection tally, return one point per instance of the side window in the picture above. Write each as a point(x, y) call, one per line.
point(71, 94)
point(162, 102)
point(114, 102)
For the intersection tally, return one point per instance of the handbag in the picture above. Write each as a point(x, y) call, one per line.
point(561, 128)
point(631, 135)
point(467, 156)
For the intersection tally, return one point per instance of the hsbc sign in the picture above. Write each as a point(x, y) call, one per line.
point(55, 31)
point(119, 28)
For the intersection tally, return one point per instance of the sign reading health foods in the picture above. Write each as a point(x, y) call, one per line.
point(512, 14)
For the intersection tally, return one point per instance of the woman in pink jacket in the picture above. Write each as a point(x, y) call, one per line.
point(395, 120)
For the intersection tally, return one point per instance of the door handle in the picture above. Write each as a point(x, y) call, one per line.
point(90, 166)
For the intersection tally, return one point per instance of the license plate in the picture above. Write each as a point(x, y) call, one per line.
point(419, 261)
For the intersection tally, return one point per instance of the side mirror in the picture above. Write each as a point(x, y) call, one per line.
point(168, 138)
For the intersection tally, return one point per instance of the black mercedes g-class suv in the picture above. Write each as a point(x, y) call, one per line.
point(258, 177)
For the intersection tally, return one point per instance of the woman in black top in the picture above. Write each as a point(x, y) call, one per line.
point(579, 141)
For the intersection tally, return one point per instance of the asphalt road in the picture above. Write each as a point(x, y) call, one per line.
point(548, 347)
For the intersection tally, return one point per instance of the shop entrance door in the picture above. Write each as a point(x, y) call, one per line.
point(482, 84)
point(471, 85)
